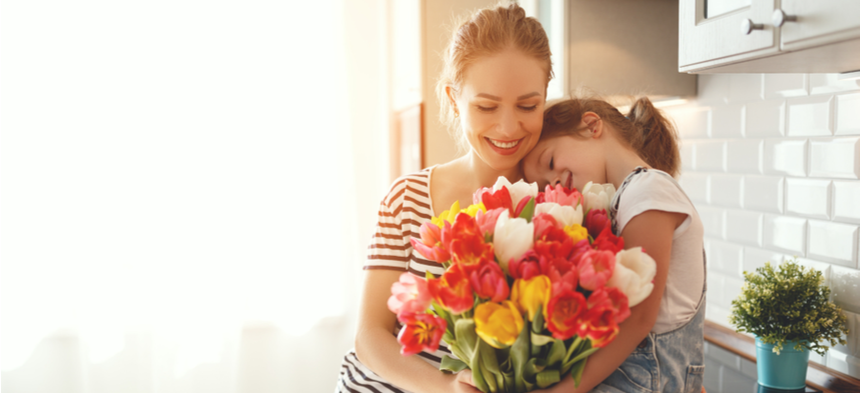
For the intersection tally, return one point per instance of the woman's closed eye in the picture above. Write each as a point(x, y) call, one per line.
point(486, 108)
point(528, 108)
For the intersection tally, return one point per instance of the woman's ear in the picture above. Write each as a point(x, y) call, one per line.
point(594, 124)
point(450, 93)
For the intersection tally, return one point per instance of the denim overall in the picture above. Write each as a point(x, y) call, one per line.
point(667, 362)
point(671, 362)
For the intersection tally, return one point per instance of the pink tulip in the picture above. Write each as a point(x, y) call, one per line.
point(595, 268)
point(409, 295)
point(430, 245)
point(489, 282)
point(487, 221)
point(562, 195)
point(542, 222)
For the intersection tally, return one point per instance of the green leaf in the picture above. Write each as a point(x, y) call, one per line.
point(547, 378)
point(466, 336)
point(538, 339)
point(572, 349)
point(519, 356)
point(556, 353)
point(576, 371)
point(478, 374)
point(537, 325)
point(458, 352)
point(528, 210)
point(452, 365)
point(583, 352)
point(488, 357)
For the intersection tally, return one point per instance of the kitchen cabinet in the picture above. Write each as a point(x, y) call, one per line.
point(755, 36)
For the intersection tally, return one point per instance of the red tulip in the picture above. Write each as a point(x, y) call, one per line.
point(554, 243)
point(489, 282)
point(493, 200)
point(579, 249)
point(430, 246)
point(596, 221)
point(595, 268)
point(522, 205)
point(614, 299)
point(606, 240)
point(563, 311)
point(526, 266)
point(598, 324)
point(466, 243)
point(420, 332)
point(452, 290)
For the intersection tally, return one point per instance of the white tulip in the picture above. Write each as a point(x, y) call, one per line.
point(634, 274)
point(512, 237)
point(598, 196)
point(564, 215)
point(518, 190)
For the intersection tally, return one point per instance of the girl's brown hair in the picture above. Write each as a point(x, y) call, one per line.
point(487, 32)
point(645, 129)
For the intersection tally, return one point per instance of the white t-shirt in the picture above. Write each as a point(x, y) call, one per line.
point(652, 189)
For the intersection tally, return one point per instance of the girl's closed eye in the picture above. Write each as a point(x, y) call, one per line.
point(551, 163)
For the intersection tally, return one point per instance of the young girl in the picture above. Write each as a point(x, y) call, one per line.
point(659, 348)
point(497, 67)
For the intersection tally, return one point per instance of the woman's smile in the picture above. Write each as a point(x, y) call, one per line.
point(504, 147)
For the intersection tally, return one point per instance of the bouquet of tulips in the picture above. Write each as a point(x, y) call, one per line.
point(535, 282)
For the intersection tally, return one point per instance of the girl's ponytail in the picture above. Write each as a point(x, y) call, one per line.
point(656, 140)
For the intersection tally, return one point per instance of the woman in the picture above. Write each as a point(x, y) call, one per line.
point(493, 89)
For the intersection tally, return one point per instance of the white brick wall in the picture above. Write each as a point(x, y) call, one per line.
point(772, 162)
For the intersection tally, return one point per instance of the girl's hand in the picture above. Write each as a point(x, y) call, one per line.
point(463, 383)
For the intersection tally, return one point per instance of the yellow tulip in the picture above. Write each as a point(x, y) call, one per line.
point(447, 215)
point(472, 210)
point(532, 295)
point(576, 232)
point(498, 324)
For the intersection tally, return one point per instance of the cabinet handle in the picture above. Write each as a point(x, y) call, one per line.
point(779, 18)
point(747, 26)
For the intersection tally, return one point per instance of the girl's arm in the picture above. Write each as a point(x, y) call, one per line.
point(378, 349)
point(653, 231)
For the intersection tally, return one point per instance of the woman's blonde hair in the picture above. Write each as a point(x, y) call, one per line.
point(644, 128)
point(487, 32)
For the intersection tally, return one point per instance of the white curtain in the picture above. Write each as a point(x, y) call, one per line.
point(186, 192)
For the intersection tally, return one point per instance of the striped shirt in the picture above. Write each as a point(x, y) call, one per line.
point(401, 214)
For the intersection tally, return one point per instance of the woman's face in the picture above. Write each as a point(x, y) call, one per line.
point(566, 160)
point(500, 105)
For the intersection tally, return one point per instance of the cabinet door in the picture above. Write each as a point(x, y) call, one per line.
point(710, 32)
point(819, 22)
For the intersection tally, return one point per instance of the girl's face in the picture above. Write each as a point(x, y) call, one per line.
point(566, 160)
point(500, 105)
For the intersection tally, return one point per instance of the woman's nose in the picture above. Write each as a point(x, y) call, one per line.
point(508, 124)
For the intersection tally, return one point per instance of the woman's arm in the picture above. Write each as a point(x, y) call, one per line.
point(653, 231)
point(378, 349)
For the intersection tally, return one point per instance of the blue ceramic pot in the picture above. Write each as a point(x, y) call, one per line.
point(785, 371)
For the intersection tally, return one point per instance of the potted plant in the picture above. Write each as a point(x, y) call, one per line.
point(790, 313)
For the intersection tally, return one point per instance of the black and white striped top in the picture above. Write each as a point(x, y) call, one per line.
point(401, 214)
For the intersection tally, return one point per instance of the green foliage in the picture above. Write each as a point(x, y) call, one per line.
point(789, 304)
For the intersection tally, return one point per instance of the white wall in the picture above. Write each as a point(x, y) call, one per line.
point(772, 162)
